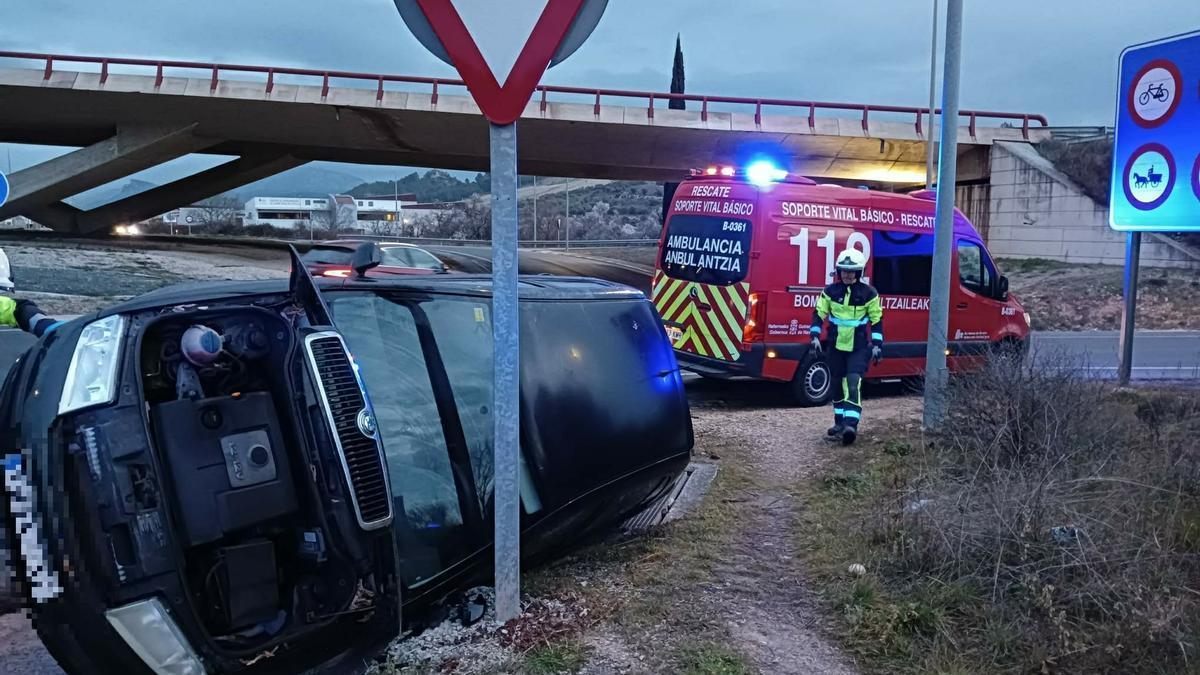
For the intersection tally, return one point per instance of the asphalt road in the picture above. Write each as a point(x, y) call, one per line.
point(478, 259)
point(1157, 355)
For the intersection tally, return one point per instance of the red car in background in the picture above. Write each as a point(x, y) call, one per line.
point(332, 259)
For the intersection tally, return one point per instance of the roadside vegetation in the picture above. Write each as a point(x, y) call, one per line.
point(1069, 296)
point(1053, 527)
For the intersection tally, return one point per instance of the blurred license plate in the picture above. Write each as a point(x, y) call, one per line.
point(674, 334)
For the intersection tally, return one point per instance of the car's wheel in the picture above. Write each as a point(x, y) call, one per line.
point(1012, 348)
point(812, 384)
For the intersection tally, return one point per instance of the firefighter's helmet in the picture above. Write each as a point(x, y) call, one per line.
point(852, 260)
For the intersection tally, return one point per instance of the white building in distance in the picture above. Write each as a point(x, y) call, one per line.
point(354, 213)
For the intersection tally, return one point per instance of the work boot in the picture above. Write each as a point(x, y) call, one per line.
point(834, 432)
point(849, 434)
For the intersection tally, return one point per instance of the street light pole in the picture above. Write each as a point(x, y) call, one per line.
point(929, 144)
point(535, 196)
point(936, 374)
point(568, 185)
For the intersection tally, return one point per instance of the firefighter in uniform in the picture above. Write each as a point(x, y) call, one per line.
point(855, 339)
point(25, 315)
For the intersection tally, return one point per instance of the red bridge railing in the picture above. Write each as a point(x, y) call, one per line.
point(811, 107)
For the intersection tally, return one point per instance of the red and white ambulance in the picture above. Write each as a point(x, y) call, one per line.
point(744, 255)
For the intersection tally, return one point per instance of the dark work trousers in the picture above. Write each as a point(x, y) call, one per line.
point(846, 370)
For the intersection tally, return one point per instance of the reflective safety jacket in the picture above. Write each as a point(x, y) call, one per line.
point(855, 315)
point(8, 311)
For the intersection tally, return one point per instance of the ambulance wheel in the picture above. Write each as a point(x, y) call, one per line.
point(812, 384)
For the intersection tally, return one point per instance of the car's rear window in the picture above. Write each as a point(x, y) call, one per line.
point(706, 249)
point(327, 255)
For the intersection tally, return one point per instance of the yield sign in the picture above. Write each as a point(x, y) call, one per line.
point(501, 49)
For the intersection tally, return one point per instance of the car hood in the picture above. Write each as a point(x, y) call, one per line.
point(199, 291)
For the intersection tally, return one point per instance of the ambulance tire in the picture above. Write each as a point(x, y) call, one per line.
point(812, 385)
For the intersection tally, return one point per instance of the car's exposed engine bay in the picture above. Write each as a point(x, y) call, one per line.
point(243, 407)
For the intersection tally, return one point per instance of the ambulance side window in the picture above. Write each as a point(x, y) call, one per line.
point(902, 262)
point(974, 269)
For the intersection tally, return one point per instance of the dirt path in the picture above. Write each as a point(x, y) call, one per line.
point(769, 607)
point(754, 601)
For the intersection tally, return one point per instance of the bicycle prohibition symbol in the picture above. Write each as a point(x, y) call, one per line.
point(1158, 92)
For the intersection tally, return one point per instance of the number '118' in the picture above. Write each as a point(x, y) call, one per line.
point(828, 242)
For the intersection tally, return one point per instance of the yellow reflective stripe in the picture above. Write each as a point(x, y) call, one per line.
point(874, 309)
point(680, 298)
point(657, 288)
point(662, 283)
point(715, 297)
point(719, 304)
point(697, 345)
point(702, 325)
point(738, 302)
point(711, 344)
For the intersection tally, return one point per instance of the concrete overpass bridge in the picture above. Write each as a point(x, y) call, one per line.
point(126, 115)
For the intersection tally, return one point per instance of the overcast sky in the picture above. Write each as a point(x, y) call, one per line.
point(1055, 57)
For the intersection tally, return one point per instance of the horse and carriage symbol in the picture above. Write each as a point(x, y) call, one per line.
point(1158, 92)
point(1151, 179)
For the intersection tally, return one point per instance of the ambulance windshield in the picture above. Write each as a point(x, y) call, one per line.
point(707, 249)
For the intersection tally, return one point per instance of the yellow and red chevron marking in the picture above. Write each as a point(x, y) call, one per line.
point(715, 332)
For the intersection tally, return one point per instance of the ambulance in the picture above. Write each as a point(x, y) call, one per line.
point(746, 252)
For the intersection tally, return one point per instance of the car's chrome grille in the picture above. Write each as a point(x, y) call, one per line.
point(362, 455)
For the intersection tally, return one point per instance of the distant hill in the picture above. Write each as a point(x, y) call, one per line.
point(432, 186)
point(306, 181)
point(110, 193)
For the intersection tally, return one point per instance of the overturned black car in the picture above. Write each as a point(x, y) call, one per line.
point(270, 477)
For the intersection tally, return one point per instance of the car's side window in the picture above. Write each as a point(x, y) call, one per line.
point(395, 256)
point(972, 271)
point(425, 260)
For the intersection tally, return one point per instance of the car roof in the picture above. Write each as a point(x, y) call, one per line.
point(354, 243)
point(530, 287)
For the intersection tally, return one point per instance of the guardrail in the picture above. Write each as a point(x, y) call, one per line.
point(650, 97)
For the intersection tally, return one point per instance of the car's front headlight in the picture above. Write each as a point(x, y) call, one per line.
point(92, 375)
point(1028, 319)
point(149, 631)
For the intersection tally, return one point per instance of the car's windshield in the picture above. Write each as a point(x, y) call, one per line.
point(438, 472)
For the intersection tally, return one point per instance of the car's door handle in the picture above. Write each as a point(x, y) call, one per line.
point(961, 305)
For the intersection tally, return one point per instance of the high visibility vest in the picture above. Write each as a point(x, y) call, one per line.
point(855, 315)
point(8, 311)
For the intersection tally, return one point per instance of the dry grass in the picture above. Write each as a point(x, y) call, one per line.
point(1069, 296)
point(1054, 526)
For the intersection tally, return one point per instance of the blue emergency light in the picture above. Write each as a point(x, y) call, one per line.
point(764, 172)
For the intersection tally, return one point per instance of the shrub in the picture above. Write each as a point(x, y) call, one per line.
point(1053, 525)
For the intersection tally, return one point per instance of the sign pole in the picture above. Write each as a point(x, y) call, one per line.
point(936, 374)
point(506, 359)
point(1133, 252)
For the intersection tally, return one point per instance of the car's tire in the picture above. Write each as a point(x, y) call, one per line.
point(812, 385)
point(1012, 348)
